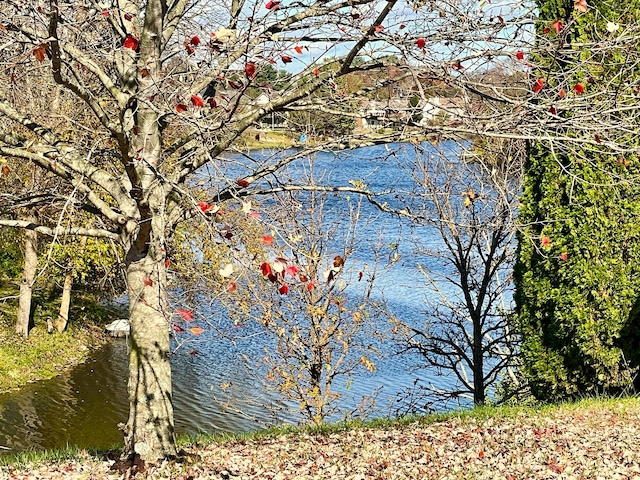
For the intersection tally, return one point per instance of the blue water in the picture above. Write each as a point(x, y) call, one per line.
point(216, 384)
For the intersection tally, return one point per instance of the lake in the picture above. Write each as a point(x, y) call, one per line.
point(214, 389)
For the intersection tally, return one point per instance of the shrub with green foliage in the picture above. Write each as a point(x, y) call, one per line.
point(578, 270)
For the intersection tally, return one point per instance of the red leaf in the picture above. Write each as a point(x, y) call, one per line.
point(557, 26)
point(267, 240)
point(273, 278)
point(195, 41)
point(597, 138)
point(286, 59)
point(243, 182)
point(127, 17)
point(197, 330)
point(177, 328)
point(379, 28)
point(457, 65)
point(40, 53)
point(181, 107)
point(520, 55)
point(311, 285)
point(360, 276)
point(553, 110)
point(420, 43)
point(581, 5)
point(105, 13)
point(212, 102)
point(291, 270)
point(564, 256)
point(186, 314)
point(546, 30)
point(196, 100)
point(402, 26)
point(272, 5)
point(131, 43)
point(250, 69)
point(167, 263)
point(298, 49)
point(190, 49)
point(204, 206)
point(545, 242)
point(538, 85)
point(284, 289)
point(232, 287)
point(266, 269)
point(254, 215)
point(316, 72)
point(147, 282)
point(500, 19)
point(578, 88)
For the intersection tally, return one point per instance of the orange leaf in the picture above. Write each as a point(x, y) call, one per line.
point(40, 53)
point(5, 170)
point(197, 330)
point(298, 49)
point(250, 69)
point(181, 107)
point(538, 85)
point(316, 72)
point(286, 59)
point(267, 240)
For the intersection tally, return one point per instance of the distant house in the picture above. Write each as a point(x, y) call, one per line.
point(381, 113)
point(447, 108)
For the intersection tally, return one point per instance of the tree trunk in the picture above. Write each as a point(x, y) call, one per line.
point(65, 302)
point(23, 323)
point(149, 433)
point(479, 394)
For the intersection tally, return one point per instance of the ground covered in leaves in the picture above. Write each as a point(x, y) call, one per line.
point(590, 440)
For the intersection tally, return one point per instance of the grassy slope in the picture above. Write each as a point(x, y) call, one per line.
point(42, 355)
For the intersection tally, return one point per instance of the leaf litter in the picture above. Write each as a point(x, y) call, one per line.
point(580, 442)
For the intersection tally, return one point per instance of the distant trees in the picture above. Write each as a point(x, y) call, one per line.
point(578, 271)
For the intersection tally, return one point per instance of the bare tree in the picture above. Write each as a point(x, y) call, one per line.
point(470, 203)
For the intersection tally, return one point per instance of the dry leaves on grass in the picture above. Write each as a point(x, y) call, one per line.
point(581, 443)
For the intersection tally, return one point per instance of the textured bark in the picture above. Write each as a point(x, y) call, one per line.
point(23, 323)
point(149, 431)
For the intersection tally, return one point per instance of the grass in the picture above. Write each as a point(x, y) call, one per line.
point(467, 416)
point(42, 355)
